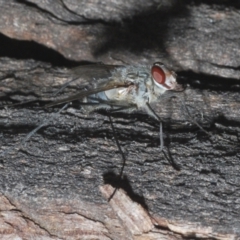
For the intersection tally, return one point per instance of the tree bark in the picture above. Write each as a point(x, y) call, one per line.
point(59, 183)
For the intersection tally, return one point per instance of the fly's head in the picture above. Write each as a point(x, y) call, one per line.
point(164, 79)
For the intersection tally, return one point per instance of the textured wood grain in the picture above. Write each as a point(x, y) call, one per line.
point(57, 184)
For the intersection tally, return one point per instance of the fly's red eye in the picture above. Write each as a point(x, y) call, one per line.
point(158, 74)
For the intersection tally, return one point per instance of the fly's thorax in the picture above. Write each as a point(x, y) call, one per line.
point(135, 77)
point(132, 74)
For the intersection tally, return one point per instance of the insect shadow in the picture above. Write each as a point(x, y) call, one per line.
point(123, 183)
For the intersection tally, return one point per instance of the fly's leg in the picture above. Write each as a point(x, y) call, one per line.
point(148, 109)
point(42, 125)
point(122, 154)
point(192, 120)
point(35, 130)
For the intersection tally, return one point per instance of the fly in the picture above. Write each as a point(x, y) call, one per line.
point(122, 88)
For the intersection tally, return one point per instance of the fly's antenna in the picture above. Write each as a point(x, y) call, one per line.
point(34, 131)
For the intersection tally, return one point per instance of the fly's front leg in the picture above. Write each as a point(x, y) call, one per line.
point(148, 109)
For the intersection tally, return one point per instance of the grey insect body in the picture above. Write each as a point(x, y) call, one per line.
point(124, 88)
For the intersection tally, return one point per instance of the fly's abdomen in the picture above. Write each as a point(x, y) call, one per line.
point(97, 98)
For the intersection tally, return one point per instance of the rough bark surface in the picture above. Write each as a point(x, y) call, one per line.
point(56, 185)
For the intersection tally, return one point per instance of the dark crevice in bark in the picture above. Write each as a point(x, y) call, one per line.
point(222, 4)
point(19, 49)
point(208, 82)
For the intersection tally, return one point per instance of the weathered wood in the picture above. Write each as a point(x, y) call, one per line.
point(55, 185)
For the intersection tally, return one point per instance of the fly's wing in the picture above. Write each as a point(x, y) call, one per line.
point(88, 80)
point(83, 77)
point(94, 70)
